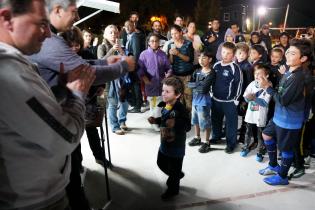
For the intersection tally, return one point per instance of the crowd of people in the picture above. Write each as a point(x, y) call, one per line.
point(217, 83)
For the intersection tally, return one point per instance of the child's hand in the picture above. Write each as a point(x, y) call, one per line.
point(282, 69)
point(151, 120)
point(264, 83)
point(146, 80)
point(170, 123)
point(173, 51)
point(250, 97)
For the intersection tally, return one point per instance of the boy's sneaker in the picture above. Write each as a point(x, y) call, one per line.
point(123, 127)
point(297, 173)
point(119, 132)
point(229, 150)
point(205, 147)
point(244, 152)
point(276, 180)
point(195, 142)
point(269, 170)
point(307, 162)
point(168, 194)
point(259, 157)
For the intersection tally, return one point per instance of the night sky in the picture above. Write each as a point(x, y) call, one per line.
point(301, 11)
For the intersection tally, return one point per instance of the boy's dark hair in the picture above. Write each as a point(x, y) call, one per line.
point(207, 54)
point(304, 46)
point(176, 27)
point(260, 49)
point(260, 66)
point(74, 35)
point(284, 34)
point(134, 13)
point(151, 35)
point(18, 7)
point(229, 45)
point(277, 50)
point(215, 19)
point(178, 16)
point(176, 83)
point(234, 23)
point(243, 47)
point(156, 21)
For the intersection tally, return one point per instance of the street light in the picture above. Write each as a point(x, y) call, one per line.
point(261, 12)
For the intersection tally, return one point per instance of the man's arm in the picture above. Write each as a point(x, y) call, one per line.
point(55, 51)
point(31, 110)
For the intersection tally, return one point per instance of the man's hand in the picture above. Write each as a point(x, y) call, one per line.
point(131, 63)
point(113, 59)
point(81, 78)
point(212, 38)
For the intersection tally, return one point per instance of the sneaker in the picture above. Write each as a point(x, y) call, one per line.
point(182, 174)
point(119, 132)
point(259, 157)
point(244, 152)
point(215, 141)
point(307, 162)
point(134, 110)
point(123, 127)
point(156, 127)
point(276, 180)
point(195, 142)
point(101, 162)
point(269, 170)
point(297, 173)
point(168, 194)
point(205, 147)
point(253, 146)
point(241, 140)
point(229, 150)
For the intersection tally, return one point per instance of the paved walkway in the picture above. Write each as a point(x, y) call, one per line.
point(214, 180)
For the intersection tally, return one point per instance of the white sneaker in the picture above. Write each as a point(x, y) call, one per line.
point(156, 127)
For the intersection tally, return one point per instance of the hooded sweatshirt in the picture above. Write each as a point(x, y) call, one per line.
point(228, 32)
point(37, 135)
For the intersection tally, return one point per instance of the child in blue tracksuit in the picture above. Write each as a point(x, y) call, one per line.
point(226, 92)
point(174, 123)
point(284, 129)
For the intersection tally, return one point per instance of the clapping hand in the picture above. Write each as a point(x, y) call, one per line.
point(81, 78)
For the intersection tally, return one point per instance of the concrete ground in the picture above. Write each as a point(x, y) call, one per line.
point(214, 180)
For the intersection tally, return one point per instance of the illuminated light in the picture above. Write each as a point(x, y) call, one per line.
point(270, 23)
point(262, 11)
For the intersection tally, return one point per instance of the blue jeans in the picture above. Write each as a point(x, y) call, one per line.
point(218, 111)
point(113, 106)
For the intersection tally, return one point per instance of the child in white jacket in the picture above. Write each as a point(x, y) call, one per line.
point(256, 114)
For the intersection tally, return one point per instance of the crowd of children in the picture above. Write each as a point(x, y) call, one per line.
point(265, 92)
